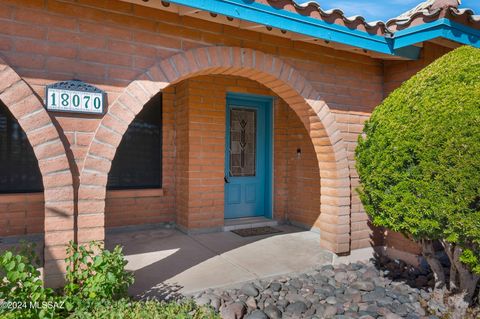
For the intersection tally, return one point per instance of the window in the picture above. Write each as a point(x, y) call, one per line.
point(243, 135)
point(19, 171)
point(138, 161)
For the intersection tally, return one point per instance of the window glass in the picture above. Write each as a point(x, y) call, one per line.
point(138, 161)
point(243, 135)
point(19, 171)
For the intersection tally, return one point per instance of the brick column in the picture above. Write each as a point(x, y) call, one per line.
point(200, 127)
point(49, 150)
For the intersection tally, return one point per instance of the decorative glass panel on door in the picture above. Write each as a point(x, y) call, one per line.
point(243, 138)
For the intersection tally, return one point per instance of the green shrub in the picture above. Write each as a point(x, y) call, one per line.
point(95, 275)
point(96, 287)
point(419, 163)
point(128, 309)
point(21, 287)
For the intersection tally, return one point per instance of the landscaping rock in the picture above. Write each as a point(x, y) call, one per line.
point(203, 301)
point(234, 311)
point(251, 303)
point(360, 290)
point(363, 285)
point(273, 312)
point(296, 308)
point(215, 303)
point(275, 286)
point(330, 311)
point(257, 314)
point(250, 290)
point(331, 300)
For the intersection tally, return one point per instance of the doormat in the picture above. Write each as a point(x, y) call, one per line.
point(257, 231)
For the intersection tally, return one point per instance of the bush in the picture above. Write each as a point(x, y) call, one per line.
point(95, 275)
point(21, 285)
point(419, 163)
point(96, 287)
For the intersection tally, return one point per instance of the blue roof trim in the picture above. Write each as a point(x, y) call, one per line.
point(400, 45)
point(259, 13)
point(441, 28)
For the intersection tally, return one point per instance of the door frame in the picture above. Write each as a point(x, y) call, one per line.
point(265, 101)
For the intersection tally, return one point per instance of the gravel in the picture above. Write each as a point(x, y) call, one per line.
point(382, 289)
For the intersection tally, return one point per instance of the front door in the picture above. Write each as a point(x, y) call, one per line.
point(247, 158)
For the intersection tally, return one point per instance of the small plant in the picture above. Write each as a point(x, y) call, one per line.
point(95, 274)
point(128, 309)
point(21, 288)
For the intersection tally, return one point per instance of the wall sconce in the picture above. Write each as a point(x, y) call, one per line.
point(299, 153)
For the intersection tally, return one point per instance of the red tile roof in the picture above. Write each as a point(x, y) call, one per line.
point(425, 12)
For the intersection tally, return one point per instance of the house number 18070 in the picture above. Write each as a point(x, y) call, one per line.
point(75, 96)
point(74, 101)
point(66, 99)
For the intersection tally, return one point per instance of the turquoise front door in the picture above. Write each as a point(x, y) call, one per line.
point(248, 156)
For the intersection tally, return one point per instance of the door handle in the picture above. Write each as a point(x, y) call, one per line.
point(226, 180)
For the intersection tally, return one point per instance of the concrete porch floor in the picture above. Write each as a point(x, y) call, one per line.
point(167, 262)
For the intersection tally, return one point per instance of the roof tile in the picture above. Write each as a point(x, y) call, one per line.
point(425, 12)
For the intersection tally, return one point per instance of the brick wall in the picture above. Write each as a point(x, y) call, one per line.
point(206, 132)
point(200, 145)
point(109, 46)
point(401, 243)
point(180, 99)
point(21, 214)
point(351, 125)
point(200, 142)
point(297, 177)
point(280, 160)
point(111, 43)
point(138, 207)
point(396, 72)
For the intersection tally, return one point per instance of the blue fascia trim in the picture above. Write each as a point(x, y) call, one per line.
point(401, 45)
point(441, 28)
point(251, 11)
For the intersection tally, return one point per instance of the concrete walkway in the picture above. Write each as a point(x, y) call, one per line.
point(167, 262)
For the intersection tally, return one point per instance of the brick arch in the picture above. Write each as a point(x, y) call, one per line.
point(28, 110)
point(272, 72)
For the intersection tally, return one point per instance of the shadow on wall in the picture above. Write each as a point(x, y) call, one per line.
point(302, 175)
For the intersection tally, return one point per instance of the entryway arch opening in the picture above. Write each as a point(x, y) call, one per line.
point(276, 75)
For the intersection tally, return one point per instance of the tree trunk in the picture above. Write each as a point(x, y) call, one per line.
point(468, 280)
point(428, 252)
point(449, 249)
point(453, 278)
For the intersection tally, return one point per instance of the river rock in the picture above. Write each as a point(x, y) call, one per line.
point(257, 314)
point(250, 290)
point(235, 310)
